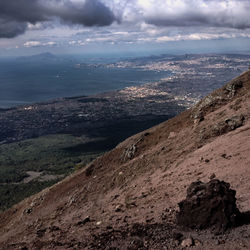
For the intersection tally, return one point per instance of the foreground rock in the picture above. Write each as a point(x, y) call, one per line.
point(211, 204)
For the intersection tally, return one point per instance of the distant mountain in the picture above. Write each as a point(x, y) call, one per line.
point(40, 57)
point(128, 198)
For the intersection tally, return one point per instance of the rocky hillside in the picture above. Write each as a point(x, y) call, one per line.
point(128, 198)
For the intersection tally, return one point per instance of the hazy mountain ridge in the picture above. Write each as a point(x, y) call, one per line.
point(141, 181)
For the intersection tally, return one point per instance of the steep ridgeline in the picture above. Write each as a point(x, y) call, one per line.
point(128, 198)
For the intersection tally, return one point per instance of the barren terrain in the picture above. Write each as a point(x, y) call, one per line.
point(128, 198)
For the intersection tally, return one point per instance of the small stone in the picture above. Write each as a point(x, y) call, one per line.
point(136, 243)
point(197, 243)
point(172, 135)
point(40, 233)
point(118, 208)
point(222, 242)
point(125, 219)
point(212, 176)
point(224, 155)
point(54, 228)
point(177, 235)
point(143, 195)
point(98, 223)
point(89, 170)
point(207, 160)
point(149, 220)
point(84, 221)
point(28, 210)
point(177, 243)
point(217, 242)
point(187, 242)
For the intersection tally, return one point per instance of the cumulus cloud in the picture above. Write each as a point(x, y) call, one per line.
point(133, 20)
point(15, 16)
point(211, 13)
point(77, 43)
point(197, 36)
point(30, 44)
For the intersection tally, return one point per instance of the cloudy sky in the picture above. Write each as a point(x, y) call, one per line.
point(85, 26)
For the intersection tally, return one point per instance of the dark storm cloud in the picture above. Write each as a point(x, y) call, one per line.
point(21, 11)
point(9, 29)
point(92, 13)
point(14, 15)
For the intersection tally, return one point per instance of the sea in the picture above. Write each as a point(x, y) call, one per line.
point(44, 77)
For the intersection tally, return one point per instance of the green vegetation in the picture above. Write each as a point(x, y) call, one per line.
point(58, 155)
point(52, 155)
point(11, 194)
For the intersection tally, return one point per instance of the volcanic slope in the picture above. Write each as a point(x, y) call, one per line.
point(128, 198)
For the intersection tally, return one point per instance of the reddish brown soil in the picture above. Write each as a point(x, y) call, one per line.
point(128, 198)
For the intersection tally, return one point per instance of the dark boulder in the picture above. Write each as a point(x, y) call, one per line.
point(211, 204)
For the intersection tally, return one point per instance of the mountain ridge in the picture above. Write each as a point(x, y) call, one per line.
point(141, 181)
